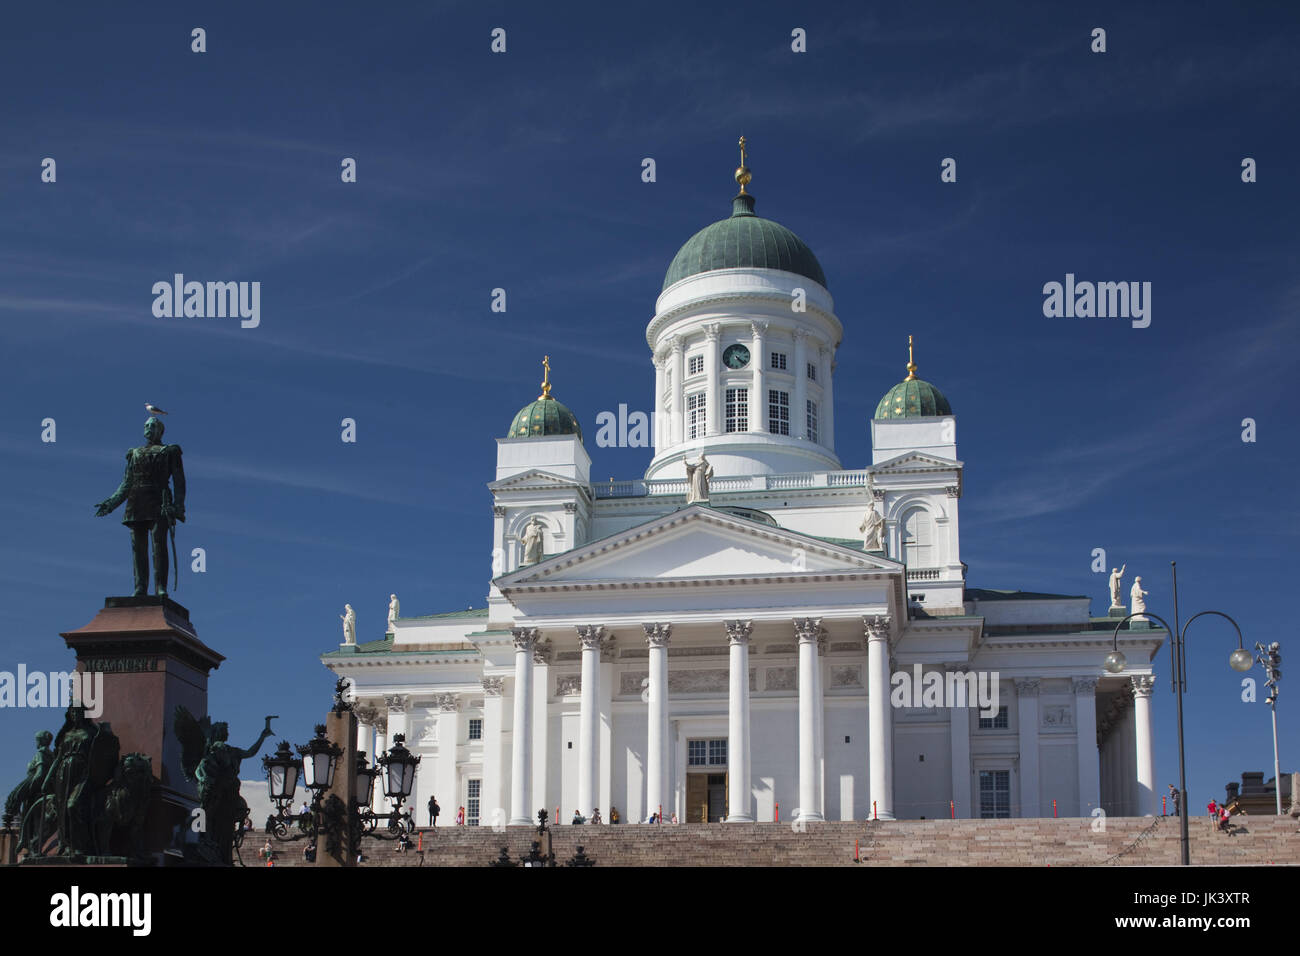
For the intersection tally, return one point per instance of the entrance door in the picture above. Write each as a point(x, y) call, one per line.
point(717, 797)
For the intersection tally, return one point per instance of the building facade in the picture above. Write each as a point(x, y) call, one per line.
point(754, 646)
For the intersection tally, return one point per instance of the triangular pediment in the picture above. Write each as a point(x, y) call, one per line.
point(697, 543)
point(534, 478)
point(914, 461)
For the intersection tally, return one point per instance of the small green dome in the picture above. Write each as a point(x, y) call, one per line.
point(545, 416)
point(744, 241)
point(913, 398)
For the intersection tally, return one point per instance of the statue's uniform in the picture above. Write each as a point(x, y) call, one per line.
point(144, 487)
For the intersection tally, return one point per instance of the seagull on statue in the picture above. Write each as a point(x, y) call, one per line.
point(153, 410)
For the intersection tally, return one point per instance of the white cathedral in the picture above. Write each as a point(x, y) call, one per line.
point(736, 658)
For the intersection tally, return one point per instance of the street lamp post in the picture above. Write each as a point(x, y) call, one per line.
point(1115, 663)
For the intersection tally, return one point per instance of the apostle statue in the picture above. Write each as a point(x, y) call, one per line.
point(1116, 591)
point(873, 531)
point(533, 540)
point(697, 481)
point(1138, 597)
point(394, 610)
point(349, 619)
point(23, 803)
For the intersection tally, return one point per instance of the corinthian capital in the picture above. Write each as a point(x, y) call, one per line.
point(738, 631)
point(542, 651)
point(1142, 685)
point(493, 686)
point(876, 627)
point(1026, 686)
point(656, 635)
point(807, 628)
point(524, 637)
point(590, 636)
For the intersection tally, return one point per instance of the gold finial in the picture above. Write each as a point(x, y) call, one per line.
point(742, 174)
point(546, 378)
point(911, 363)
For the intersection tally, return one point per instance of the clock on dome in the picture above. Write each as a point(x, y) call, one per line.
point(735, 356)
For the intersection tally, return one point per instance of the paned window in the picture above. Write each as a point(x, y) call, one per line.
point(778, 360)
point(737, 410)
point(812, 372)
point(695, 365)
point(473, 793)
point(995, 794)
point(778, 412)
point(996, 722)
point(476, 728)
point(695, 420)
point(812, 420)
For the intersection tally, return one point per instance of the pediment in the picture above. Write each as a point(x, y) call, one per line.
point(534, 478)
point(692, 544)
point(914, 461)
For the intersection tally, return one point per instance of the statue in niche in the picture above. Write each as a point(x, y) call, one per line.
point(532, 540)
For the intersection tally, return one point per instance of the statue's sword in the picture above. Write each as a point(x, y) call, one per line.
point(171, 530)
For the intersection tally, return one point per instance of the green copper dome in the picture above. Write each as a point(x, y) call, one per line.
point(545, 416)
point(744, 241)
point(912, 398)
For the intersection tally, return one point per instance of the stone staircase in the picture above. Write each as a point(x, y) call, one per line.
point(1127, 841)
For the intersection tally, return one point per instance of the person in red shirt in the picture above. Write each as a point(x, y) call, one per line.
point(460, 817)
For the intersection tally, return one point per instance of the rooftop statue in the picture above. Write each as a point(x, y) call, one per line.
point(153, 488)
point(697, 481)
point(1116, 586)
point(873, 531)
point(533, 540)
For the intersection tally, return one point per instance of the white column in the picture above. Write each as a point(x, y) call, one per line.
point(493, 804)
point(447, 780)
point(713, 374)
point(521, 737)
point(819, 697)
point(657, 794)
point(366, 734)
point(799, 413)
point(605, 710)
point(660, 412)
point(881, 757)
point(827, 373)
point(1085, 722)
point(678, 424)
point(959, 730)
point(1127, 740)
point(588, 718)
point(1027, 712)
point(758, 362)
point(378, 802)
point(541, 727)
point(807, 630)
point(739, 789)
point(1148, 801)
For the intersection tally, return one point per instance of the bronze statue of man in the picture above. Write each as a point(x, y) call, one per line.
point(152, 508)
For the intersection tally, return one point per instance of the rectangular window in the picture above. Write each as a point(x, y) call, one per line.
point(695, 753)
point(778, 412)
point(695, 365)
point(737, 410)
point(475, 728)
point(812, 372)
point(473, 790)
point(778, 360)
point(995, 794)
point(998, 722)
point(812, 420)
point(718, 752)
point(695, 420)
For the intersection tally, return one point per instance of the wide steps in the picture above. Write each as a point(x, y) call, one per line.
point(1127, 841)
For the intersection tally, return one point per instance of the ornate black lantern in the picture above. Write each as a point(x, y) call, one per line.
point(282, 772)
point(399, 765)
point(365, 780)
point(320, 760)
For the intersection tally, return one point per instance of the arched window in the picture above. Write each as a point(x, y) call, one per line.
point(918, 539)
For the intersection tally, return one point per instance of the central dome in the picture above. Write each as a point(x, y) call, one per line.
point(744, 241)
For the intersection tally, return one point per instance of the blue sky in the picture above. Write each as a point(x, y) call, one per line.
point(522, 171)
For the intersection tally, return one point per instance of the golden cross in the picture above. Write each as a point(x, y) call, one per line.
point(546, 377)
point(742, 151)
point(742, 174)
point(911, 363)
